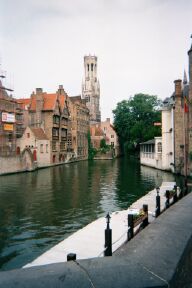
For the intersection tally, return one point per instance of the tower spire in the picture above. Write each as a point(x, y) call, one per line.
point(190, 50)
point(184, 78)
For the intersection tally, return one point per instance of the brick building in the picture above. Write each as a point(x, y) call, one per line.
point(79, 126)
point(11, 122)
point(51, 113)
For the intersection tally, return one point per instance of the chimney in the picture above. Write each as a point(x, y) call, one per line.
point(61, 90)
point(178, 87)
point(39, 90)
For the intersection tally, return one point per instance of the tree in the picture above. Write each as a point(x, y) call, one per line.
point(134, 119)
point(103, 143)
point(91, 150)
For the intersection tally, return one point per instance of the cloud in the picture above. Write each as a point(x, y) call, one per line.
point(141, 45)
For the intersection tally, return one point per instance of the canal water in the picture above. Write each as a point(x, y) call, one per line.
point(39, 209)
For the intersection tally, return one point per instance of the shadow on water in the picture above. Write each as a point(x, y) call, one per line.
point(39, 209)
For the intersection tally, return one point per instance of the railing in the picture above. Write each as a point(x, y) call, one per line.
point(139, 220)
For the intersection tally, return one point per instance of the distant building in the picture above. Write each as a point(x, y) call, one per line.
point(79, 115)
point(91, 89)
point(110, 135)
point(105, 130)
point(97, 135)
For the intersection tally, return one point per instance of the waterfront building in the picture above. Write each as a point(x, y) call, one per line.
point(91, 88)
point(35, 140)
point(176, 139)
point(51, 113)
point(167, 152)
point(96, 135)
point(11, 122)
point(110, 135)
point(79, 114)
point(105, 130)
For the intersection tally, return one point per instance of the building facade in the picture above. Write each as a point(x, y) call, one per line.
point(51, 113)
point(105, 130)
point(91, 88)
point(37, 142)
point(11, 123)
point(79, 126)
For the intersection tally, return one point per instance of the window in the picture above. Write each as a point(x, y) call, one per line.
point(112, 136)
point(56, 119)
point(87, 98)
point(47, 148)
point(54, 146)
point(55, 133)
point(64, 134)
point(28, 135)
point(64, 121)
point(91, 66)
point(63, 146)
point(112, 144)
point(41, 148)
point(87, 67)
point(159, 147)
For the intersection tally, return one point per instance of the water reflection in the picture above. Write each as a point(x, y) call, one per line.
point(41, 208)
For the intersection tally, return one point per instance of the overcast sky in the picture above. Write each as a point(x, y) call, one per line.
point(141, 45)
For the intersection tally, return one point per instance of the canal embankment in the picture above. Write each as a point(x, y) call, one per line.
point(92, 235)
point(159, 256)
point(43, 208)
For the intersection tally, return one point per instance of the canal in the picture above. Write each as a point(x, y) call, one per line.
point(41, 208)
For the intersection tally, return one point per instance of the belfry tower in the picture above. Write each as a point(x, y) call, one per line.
point(91, 88)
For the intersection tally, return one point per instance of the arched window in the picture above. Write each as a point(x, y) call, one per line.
point(91, 66)
point(159, 147)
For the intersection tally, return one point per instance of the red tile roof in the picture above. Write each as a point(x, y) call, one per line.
point(39, 133)
point(49, 101)
point(24, 102)
point(96, 131)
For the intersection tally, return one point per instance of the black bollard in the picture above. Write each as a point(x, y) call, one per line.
point(158, 203)
point(145, 221)
point(108, 238)
point(175, 198)
point(185, 187)
point(167, 195)
point(71, 257)
point(130, 232)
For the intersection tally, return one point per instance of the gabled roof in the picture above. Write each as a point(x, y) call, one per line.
point(96, 131)
point(39, 133)
point(49, 101)
point(24, 102)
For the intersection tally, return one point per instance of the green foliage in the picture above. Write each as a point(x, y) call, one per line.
point(190, 155)
point(103, 143)
point(134, 119)
point(91, 150)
